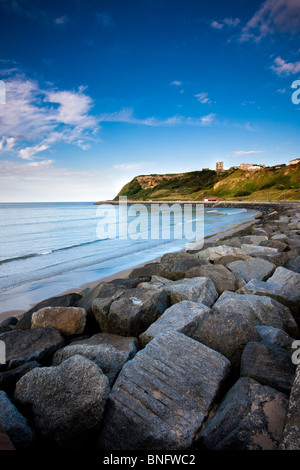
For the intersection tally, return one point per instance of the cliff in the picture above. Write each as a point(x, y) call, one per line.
point(278, 183)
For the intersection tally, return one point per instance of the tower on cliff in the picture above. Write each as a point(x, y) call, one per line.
point(219, 166)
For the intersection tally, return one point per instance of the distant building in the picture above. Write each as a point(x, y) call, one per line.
point(294, 162)
point(211, 199)
point(205, 169)
point(219, 166)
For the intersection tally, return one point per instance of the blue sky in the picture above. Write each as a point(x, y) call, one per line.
point(98, 92)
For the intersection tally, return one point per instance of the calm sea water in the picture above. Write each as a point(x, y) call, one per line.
point(48, 248)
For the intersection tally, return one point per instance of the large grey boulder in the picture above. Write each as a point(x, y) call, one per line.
point(290, 437)
point(183, 317)
point(275, 336)
point(286, 277)
point(132, 312)
point(283, 286)
point(65, 300)
point(222, 278)
point(150, 269)
point(268, 364)
point(107, 290)
point(15, 424)
point(127, 344)
point(67, 401)
point(68, 320)
point(252, 268)
point(275, 244)
point(231, 325)
point(215, 252)
point(107, 357)
point(183, 264)
point(294, 264)
point(254, 239)
point(9, 378)
point(251, 249)
point(250, 417)
point(197, 289)
point(38, 344)
point(162, 396)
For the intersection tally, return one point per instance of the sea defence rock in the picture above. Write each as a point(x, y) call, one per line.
point(250, 417)
point(67, 401)
point(37, 344)
point(215, 252)
point(106, 290)
point(264, 250)
point(276, 336)
point(283, 286)
point(131, 312)
point(196, 289)
point(68, 320)
point(107, 357)
point(294, 264)
point(183, 317)
point(15, 424)
point(290, 436)
point(280, 246)
point(9, 378)
point(127, 344)
point(66, 300)
point(252, 268)
point(268, 364)
point(162, 396)
point(222, 278)
point(231, 325)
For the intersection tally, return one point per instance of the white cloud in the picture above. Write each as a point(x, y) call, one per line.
point(216, 25)
point(61, 20)
point(241, 153)
point(230, 22)
point(36, 119)
point(29, 152)
point(285, 68)
point(203, 98)
point(6, 144)
point(176, 83)
point(281, 16)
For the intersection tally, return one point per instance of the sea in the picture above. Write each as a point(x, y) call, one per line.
point(47, 249)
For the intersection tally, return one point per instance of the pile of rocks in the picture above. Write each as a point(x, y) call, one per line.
point(197, 351)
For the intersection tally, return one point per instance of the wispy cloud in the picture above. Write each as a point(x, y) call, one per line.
point(176, 83)
point(126, 115)
point(241, 153)
point(105, 20)
point(62, 20)
point(229, 22)
point(273, 16)
point(203, 98)
point(281, 67)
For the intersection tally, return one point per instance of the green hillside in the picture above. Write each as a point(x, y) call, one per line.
point(269, 184)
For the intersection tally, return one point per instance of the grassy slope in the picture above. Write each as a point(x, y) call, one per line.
point(268, 184)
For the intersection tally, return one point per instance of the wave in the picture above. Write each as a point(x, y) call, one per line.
point(236, 212)
point(43, 253)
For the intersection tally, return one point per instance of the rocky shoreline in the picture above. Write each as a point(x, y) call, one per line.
point(198, 351)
